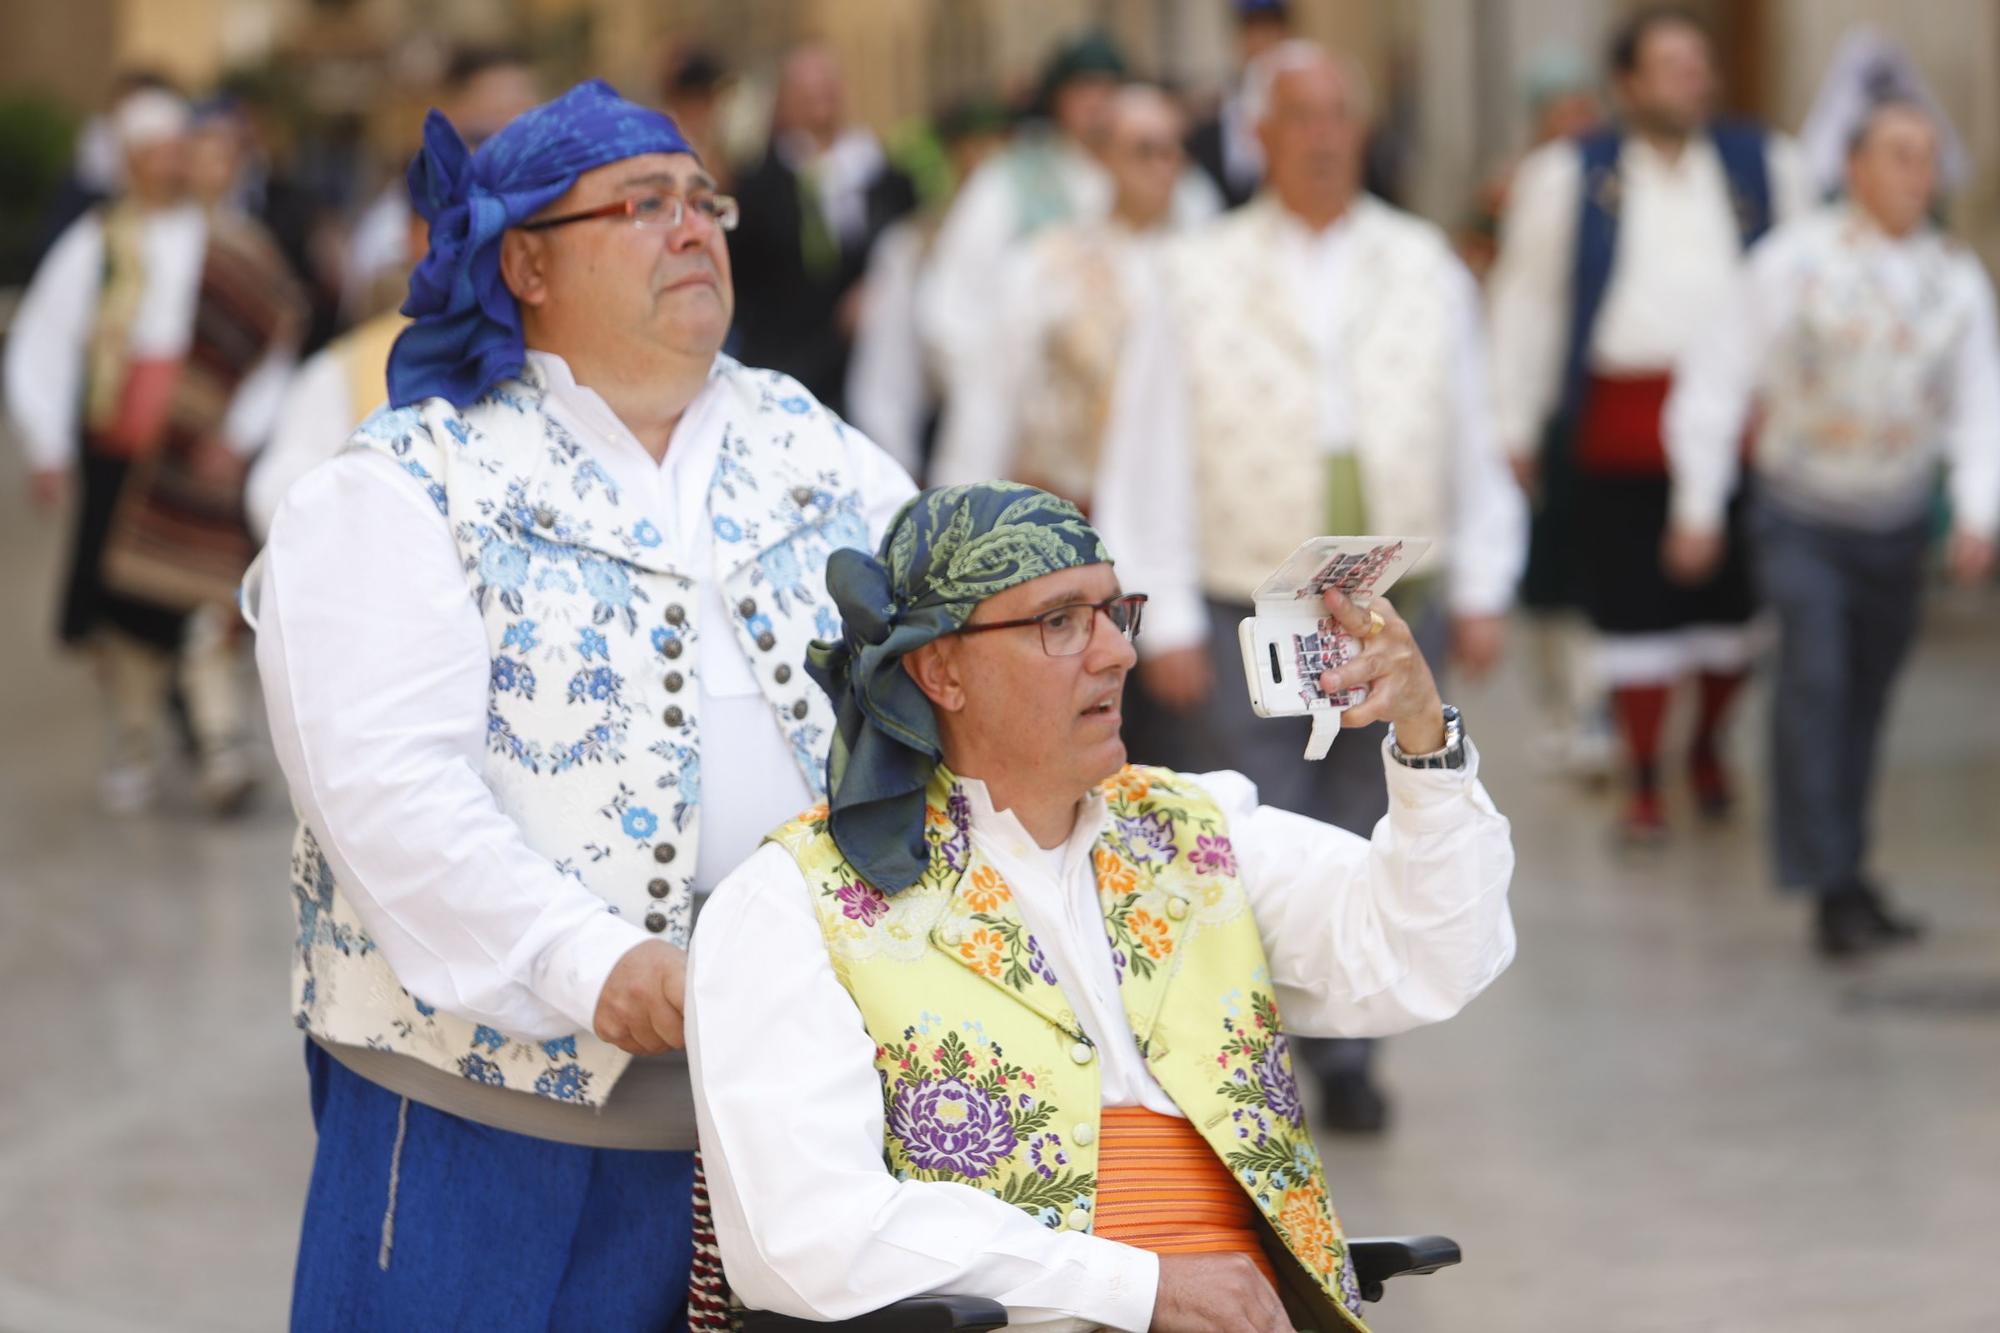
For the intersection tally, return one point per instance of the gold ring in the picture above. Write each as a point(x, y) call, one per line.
point(1375, 625)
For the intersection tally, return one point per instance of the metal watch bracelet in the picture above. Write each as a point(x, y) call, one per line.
point(1450, 755)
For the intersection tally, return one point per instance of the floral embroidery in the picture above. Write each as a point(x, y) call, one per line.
point(1113, 875)
point(1213, 856)
point(1149, 838)
point(986, 891)
point(862, 902)
point(984, 950)
point(1309, 1227)
point(1151, 933)
point(590, 643)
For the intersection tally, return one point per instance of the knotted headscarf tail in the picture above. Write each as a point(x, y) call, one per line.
point(946, 551)
point(465, 331)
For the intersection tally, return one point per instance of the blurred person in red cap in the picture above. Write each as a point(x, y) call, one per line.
point(1615, 248)
point(145, 361)
point(812, 210)
point(1319, 369)
point(1866, 340)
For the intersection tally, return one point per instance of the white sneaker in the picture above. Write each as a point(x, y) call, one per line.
point(128, 789)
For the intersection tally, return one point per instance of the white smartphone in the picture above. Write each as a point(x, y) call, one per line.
point(1291, 640)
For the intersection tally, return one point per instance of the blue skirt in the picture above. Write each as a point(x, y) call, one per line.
point(417, 1220)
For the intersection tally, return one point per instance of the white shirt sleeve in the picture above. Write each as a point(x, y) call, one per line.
point(1144, 507)
point(47, 344)
point(375, 670)
point(887, 385)
point(313, 422)
point(1974, 440)
point(253, 411)
point(1490, 519)
point(1367, 937)
point(1793, 194)
point(789, 1106)
point(1717, 381)
point(1530, 289)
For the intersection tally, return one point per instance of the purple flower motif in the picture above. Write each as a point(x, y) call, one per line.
point(1213, 856)
point(950, 1125)
point(1274, 1076)
point(1038, 964)
point(863, 902)
point(957, 848)
point(1149, 837)
point(1046, 1154)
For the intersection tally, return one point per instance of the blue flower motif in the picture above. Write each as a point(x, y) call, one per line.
point(639, 822)
point(606, 581)
point(564, 1085)
point(797, 404)
point(503, 565)
point(481, 1070)
point(520, 634)
point(599, 683)
point(491, 1038)
point(758, 624)
point(728, 529)
point(661, 638)
point(505, 672)
point(845, 528)
point(826, 625)
point(644, 533)
point(428, 1011)
point(589, 644)
point(560, 1046)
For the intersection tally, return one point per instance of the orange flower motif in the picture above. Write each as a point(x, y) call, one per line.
point(1128, 784)
point(986, 891)
point(983, 951)
point(1151, 932)
point(1113, 875)
point(813, 814)
point(1309, 1225)
point(933, 817)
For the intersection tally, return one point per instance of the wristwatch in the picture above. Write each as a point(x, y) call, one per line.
point(1450, 755)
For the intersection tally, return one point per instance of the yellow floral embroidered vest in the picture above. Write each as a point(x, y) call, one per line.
point(990, 1081)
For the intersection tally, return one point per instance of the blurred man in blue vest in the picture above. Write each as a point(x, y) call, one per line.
point(1613, 249)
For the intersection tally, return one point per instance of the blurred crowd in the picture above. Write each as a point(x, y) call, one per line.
point(1672, 384)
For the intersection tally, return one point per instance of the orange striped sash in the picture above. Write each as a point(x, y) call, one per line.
point(1162, 1188)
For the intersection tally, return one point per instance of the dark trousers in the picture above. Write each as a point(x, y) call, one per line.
point(1847, 603)
point(1347, 788)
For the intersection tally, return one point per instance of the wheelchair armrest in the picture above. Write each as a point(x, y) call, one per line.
point(918, 1314)
point(1379, 1258)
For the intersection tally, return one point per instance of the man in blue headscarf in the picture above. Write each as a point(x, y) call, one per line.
point(534, 647)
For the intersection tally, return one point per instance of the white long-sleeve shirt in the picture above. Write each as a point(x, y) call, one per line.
point(1679, 247)
point(1918, 289)
point(1145, 504)
point(375, 661)
point(1365, 937)
point(49, 341)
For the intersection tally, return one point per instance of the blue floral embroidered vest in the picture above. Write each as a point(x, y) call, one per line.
point(594, 748)
point(989, 1080)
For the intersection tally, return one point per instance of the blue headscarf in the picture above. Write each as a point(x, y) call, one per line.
point(465, 335)
point(947, 551)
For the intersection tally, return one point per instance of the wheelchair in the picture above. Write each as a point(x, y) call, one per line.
point(1376, 1260)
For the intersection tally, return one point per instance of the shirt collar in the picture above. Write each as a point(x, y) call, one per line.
point(1002, 829)
point(588, 408)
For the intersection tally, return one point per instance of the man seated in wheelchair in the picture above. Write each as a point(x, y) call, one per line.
point(1006, 1017)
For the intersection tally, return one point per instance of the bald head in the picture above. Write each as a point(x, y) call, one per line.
point(811, 95)
point(1311, 110)
point(1143, 153)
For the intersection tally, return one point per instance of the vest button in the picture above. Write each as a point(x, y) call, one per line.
point(1177, 908)
point(657, 887)
point(1078, 1219)
point(673, 649)
point(952, 936)
point(1081, 1052)
point(663, 852)
point(673, 682)
point(802, 496)
point(799, 709)
point(545, 517)
point(782, 674)
point(676, 615)
point(1084, 1134)
point(766, 641)
point(655, 922)
point(673, 717)
point(747, 607)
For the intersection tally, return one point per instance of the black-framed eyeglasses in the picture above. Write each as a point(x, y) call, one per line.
point(658, 211)
point(1066, 630)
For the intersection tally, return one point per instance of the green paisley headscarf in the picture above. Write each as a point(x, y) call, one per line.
point(946, 552)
